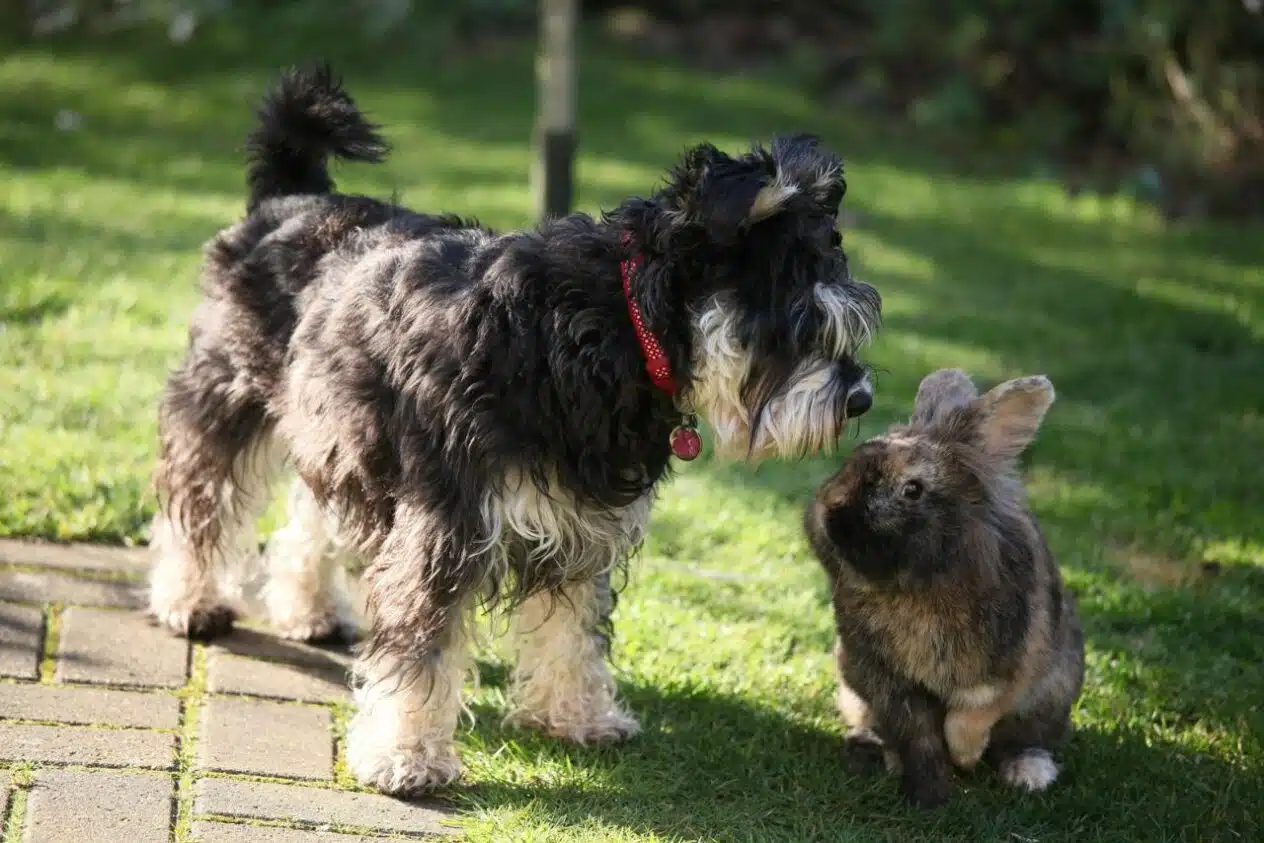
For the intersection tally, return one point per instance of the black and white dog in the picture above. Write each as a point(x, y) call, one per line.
point(478, 415)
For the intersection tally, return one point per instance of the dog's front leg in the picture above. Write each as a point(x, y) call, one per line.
point(562, 680)
point(401, 738)
point(410, 674)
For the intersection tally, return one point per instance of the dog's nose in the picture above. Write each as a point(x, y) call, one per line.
point(859, 402)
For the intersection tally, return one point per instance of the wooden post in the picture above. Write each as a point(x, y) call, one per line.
point(553, 172)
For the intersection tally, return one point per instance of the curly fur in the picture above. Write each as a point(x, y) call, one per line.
point(468, 412)
point(956, 638)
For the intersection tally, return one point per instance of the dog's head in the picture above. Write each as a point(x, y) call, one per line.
point(777, 320)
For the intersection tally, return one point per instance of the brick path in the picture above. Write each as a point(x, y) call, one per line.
point(114, 731)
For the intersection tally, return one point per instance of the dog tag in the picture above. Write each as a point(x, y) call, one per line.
point(686, 444)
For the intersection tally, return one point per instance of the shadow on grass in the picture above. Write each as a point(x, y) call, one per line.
point(1159, 395)
point(768, 778)
point(1186, 652)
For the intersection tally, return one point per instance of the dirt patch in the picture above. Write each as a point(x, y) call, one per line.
point(1156, 570)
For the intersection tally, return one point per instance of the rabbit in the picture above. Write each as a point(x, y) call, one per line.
point(956, 638)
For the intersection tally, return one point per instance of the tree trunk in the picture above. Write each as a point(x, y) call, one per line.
point(553, 173)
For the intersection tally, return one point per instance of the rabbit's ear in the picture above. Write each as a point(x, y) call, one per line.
point(1011, 415)
point(941, 392)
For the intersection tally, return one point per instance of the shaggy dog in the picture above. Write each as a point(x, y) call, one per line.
point(474, 415)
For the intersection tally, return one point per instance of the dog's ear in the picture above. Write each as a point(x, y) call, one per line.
point(801, 160)
point(725, 194)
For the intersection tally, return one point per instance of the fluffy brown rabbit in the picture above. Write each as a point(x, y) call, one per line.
point(955, 636)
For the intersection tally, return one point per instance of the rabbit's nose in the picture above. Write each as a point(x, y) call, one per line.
point(859, 402)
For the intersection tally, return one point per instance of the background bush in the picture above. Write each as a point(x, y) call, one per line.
point(1161, 97)
point(1164, 97)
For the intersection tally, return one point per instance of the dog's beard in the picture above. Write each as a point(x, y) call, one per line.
point(805, 414)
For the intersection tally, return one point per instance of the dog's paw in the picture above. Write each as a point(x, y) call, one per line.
point(327, 628)
point(404, 772)
point(1032, 770)
point(199, 622)
point(611, 726)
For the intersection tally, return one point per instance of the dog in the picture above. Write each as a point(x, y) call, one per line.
point(477, 417)
point(956, 637)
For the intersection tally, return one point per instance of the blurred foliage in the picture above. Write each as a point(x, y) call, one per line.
point(376, 17)
point(1167, 96)
point(1164, 98)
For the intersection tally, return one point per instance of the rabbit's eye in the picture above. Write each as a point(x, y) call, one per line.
point(912, 490)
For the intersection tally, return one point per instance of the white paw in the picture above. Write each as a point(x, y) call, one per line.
point(611, 726)
point(404, 771)
point(1033, 770)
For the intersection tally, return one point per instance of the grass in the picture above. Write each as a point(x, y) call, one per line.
point(1148, 474)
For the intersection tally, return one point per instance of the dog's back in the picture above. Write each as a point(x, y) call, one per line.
point(256, 270)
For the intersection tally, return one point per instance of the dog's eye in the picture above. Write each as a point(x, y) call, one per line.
point(912, 490)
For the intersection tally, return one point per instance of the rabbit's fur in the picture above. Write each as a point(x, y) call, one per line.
point(955, 636)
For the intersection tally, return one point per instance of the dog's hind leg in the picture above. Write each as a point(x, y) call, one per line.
point(306, 593)
point(562, 681)
point(218, 461)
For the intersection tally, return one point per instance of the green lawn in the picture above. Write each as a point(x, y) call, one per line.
point(1149, 474)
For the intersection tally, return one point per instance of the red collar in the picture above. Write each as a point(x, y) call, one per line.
point(656, 362)
point(684, 440)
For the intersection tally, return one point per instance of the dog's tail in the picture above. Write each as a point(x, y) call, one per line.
point(307, 118)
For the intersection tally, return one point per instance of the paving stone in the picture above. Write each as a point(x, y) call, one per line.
point(92, 557)
point(251, 662)
point(235, 675)
point(266, 738)
point(98, 807)
point(259, 643)
point(51, 587)
point(89, 705)
point(119, 648)
point(231, 798)
point(85, 745)
point(21, 631)
point(213, 832)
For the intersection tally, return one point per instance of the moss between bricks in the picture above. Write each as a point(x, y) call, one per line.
point(52, 637)
point(310, 784)
point(297, 825)
point(21, 778)
point(194, 697)
point(104, 727)
point(17, 812)
point(341, 714)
